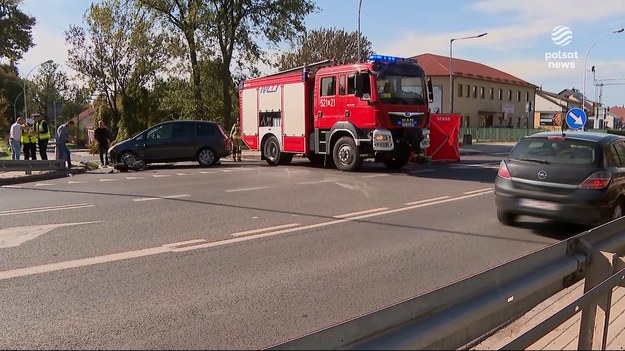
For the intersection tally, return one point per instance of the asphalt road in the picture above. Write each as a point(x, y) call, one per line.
point(241, 255)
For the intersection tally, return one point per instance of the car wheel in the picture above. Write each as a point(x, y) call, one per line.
point(617, 212)
point(206, 157)
point(271, 151)
point(128, 158)
point(346, 155)
point(505, 217)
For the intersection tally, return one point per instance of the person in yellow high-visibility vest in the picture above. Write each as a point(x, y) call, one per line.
point(235, 136)
point(29, 140)
point(43, 135)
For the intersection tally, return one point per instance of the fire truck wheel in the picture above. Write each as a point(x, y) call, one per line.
point(398, 158)
point(346, 155)
point(271, 151)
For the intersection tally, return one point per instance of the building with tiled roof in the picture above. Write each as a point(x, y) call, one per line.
point(618, 115)
point(483, 95)
point(550, 108)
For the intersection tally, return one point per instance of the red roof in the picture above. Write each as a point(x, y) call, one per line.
point(437, 65)
point(618, 112)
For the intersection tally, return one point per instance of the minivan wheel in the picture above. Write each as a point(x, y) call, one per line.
point(206, 157)
point(505, 217)
point(128, 158)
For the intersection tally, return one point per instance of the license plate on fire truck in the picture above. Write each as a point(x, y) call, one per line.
point(407, 122)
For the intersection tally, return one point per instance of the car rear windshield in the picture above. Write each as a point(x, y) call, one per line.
point(557, 151)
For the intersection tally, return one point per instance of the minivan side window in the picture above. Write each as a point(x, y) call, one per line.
point(161, 132)
point(183, 130)
point(204, 129)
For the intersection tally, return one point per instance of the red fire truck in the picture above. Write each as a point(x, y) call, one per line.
point(339, 113)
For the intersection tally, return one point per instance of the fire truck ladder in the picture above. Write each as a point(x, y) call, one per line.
point(306, 67)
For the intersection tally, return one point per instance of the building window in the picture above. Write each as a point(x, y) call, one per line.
point(482, 92)
point(459, 90)
point(500, 94)
point(527, 96)
point(474, 92)
point(509, 94)
point(491, 93)
point(518, 95)
point(468, 90)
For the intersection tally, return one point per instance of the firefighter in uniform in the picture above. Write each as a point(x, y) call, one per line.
point(235, 136)
point(43, 135)
point(29, 140)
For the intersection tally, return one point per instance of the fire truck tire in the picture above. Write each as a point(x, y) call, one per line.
point(346, 155)
point(398, 158)
point(285, 159)
point(271, 151)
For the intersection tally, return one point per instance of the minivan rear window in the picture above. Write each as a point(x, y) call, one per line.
point(556, 151)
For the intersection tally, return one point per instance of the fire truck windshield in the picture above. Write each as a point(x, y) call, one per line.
point(402, 84)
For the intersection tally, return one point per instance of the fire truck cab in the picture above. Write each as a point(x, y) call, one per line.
point(340, 114)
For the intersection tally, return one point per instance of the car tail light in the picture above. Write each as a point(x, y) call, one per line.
point(503, 171)
point(597, 180)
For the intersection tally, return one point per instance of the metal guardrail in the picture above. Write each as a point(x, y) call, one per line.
point(505, 134)
point(32, 165)
point(460, 314)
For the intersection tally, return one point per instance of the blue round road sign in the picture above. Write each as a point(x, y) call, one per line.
point(576, 118)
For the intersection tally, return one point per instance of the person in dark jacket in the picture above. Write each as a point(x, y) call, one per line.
point(103, 136)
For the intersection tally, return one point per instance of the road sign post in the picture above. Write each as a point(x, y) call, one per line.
point(576, 118)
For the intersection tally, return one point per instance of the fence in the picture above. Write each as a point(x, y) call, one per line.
point(504, 134)
point(460, 314)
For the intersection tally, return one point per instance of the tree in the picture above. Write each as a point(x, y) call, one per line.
point(238, 23)
point(119, 53)
point(15, 30)
point(185, 16)
point(325, 44)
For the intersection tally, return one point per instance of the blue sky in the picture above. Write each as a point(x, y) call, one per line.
point(519, 34)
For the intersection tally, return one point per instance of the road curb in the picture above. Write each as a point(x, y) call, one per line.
point(40, 177)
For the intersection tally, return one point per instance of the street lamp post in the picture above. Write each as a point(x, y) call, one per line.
point(15, 107)
point(24, 86)
point(586, 60)
point(451, 83)
point(358, 34)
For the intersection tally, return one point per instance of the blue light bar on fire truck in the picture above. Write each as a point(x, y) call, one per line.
point(385, 58)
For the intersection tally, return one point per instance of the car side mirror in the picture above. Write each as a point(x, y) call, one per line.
point(430, 91)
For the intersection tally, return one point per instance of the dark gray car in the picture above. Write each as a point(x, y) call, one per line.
point(574, 177)
point(175, 141)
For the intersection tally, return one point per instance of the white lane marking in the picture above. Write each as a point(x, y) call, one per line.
point(76, 182)
point(427, 200)
point(477, 165)
point(184, 174)
point(11, 237)
point(175, 247)
point(44, 184)
point(184, 243)
point(375, 176)
point(227, 170)
point(108, 180)
point(133, 178)
point(345, 215)
point(160, 198)
point(422, 171)
point(260, 230)
point(12, 186)
point(318, 182)
point(43, 209)
point(161, 175)
point(248, 189)
point(477, 191)
point(208, 172)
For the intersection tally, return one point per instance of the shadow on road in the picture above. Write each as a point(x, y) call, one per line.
point(553, 229)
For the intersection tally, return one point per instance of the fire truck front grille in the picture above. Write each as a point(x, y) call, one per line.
point(407, 119)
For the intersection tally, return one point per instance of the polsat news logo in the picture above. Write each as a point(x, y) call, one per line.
point(561, 36)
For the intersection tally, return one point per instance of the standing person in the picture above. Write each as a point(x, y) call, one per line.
point(62, 151)
point(43, 135)
point(15, 138)
point(235, 135)
point(103, 136)
point(29, 140)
